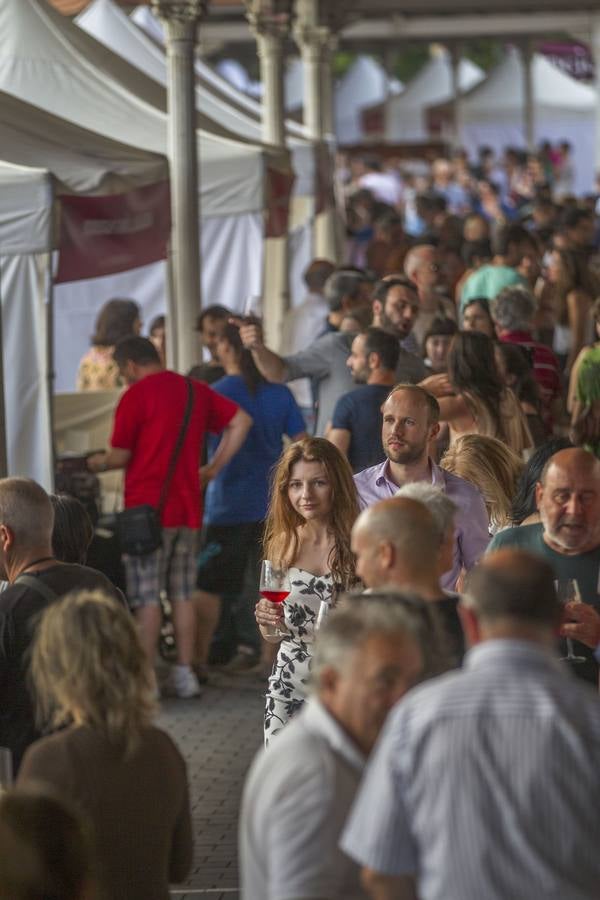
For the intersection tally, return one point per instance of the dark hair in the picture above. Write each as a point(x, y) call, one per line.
point(343, 283)
point(215, 312)
point(473, 250)
point(45, 851)
point(316, 274)
point(73, 530)
point(524, 504)
point(522, 590)
point(138, 350)
point(518, 362)
point(252, 377)
point(157, 322)
point(384, 344)
point(573, 216)
point(114, 322)
point(471, 369)
point(511, 234)
point(441, 326)
point(382, 288)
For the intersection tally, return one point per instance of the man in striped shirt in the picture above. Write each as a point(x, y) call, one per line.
point(484, 784)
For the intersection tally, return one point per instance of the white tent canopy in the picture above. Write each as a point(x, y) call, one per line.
point(492, 113)
point(25, 253)
point(48, 61)
point(405, 116)
point(364, 84)
point(61, 159)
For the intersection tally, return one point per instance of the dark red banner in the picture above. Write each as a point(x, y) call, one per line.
point(104, 235)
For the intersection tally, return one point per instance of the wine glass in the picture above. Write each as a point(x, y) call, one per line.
point(567, 590)
point(274, 587)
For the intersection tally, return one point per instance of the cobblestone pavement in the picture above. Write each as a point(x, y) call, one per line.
point(218, 736)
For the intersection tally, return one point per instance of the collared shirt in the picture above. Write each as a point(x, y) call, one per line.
point(471, 535)
point(484, 784)
point(296, 799)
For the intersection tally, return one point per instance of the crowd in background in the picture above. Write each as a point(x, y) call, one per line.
point(417, 466)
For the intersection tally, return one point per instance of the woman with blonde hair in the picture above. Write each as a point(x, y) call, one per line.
point(90, 673)
point(492, 467)
point(312, 508)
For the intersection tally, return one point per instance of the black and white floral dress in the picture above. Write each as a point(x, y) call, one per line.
point(288, 683)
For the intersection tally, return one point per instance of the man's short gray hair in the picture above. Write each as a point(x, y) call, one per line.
point(513, 308)
point(360, 616)
point(343, 283)
point(26, 509)
point(443, 510)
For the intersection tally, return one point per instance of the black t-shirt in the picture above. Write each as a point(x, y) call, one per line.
point(359, 412)
point(20, 608)
point(446, 608)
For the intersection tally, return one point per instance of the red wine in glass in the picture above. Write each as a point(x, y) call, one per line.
point(275, 587)
point(274, 596)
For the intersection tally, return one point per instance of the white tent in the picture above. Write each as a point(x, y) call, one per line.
point(48, 61)
point(364, 84)
point(139, 39)
point(58, 161)
point(492, 113)
point(25, 254)
point(405, 116)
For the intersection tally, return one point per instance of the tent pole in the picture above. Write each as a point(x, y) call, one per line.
point(456, 52)
point(271, 28)
point(528, 98)
point(181, 22)
point(3, 450)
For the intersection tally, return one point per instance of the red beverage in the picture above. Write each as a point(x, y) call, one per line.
point(274, 596)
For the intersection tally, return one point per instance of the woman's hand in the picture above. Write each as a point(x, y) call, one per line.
point(438, 385)
point(268, 614)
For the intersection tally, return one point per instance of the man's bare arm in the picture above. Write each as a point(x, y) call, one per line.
point(234, 435)
point(113, 458)
point(341, 438)
point(269, 364)
point(388, 887)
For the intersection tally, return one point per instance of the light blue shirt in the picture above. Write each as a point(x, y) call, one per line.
point(485, 784)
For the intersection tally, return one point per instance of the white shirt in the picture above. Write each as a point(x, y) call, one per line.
point(296, 799)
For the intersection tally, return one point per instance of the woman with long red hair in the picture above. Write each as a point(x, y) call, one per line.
point(312, 509)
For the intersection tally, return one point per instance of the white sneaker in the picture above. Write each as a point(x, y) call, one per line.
point(184, 682)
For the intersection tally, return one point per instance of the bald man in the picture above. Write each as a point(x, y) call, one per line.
point(481, 773)
point(399, 543)
point(568, 537)
point(423, 265)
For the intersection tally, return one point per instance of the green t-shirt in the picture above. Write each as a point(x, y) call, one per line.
point(487, 282)
point(584, 567)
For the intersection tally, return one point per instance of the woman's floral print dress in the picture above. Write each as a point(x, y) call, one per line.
point(288, 683)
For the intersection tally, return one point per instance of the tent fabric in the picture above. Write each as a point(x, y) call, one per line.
point(405, 115)
point(25, 210)
point(25, 359)
point(48, 61)
point(109, 25)
point(492, 112)
point(364, 84)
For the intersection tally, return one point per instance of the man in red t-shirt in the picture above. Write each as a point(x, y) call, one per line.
point(147, 422)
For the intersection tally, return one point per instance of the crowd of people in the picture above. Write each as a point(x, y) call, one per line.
point(418, 467)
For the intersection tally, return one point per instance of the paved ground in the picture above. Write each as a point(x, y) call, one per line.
point(218, 735)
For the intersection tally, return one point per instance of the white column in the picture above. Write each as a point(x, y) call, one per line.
point(270, 21)
point(315, 36)
point(456, 52)
point(180, 18)
point(528, 98)
point(595, 48)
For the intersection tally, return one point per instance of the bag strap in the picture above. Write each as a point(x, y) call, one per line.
point(178, 447)
point(36, 585)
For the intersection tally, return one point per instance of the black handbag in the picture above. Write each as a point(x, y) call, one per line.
point(138, 528)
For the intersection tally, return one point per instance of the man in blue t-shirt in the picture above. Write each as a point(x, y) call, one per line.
point(356, 421)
